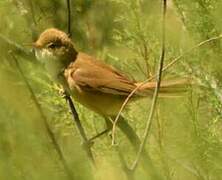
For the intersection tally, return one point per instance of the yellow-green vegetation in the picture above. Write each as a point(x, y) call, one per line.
point(38, 137)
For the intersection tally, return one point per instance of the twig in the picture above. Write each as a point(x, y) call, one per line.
point(119, 113)
point(86, 142)
point(134, 140)
point(155, 96)
point(99, 135)
point(68, 18)
point(43, 117)
point(174, 61)
point(128, 131)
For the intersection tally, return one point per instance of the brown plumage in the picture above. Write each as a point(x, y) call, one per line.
point(94, 84)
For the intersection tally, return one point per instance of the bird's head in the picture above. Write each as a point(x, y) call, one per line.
point(53, 43)
point(55, 50)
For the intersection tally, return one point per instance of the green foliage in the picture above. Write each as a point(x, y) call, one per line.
point(185, 141)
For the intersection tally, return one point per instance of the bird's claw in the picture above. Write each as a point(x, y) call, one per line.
point(63, 93)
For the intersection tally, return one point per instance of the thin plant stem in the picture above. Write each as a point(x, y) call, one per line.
point(86, 142)
point(68, 18)
point(175, 60)
point(155, 96)
point(127, 130)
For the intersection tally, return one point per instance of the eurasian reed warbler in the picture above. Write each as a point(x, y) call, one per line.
point(94, 84)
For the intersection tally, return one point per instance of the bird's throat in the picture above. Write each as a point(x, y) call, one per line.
point(54, 65)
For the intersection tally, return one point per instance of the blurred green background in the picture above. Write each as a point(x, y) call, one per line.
point(185, 141)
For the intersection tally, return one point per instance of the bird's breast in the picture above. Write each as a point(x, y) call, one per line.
point(99, 102)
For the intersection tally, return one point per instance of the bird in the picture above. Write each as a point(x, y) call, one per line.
point(91, 82)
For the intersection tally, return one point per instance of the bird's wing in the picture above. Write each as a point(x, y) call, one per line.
point(92, 75)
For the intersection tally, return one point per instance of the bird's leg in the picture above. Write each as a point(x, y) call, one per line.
point(108, 129)
point(99, 134)
point(90, 141)
point(61, 91)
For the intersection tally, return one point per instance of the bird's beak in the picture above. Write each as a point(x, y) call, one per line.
point(36, 45)
point(33, 45)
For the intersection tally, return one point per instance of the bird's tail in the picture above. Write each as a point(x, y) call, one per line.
point(168, 88)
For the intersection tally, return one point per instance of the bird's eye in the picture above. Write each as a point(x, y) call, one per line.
point(52, 45)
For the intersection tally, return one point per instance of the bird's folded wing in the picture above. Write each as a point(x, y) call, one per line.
point(101, 78)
